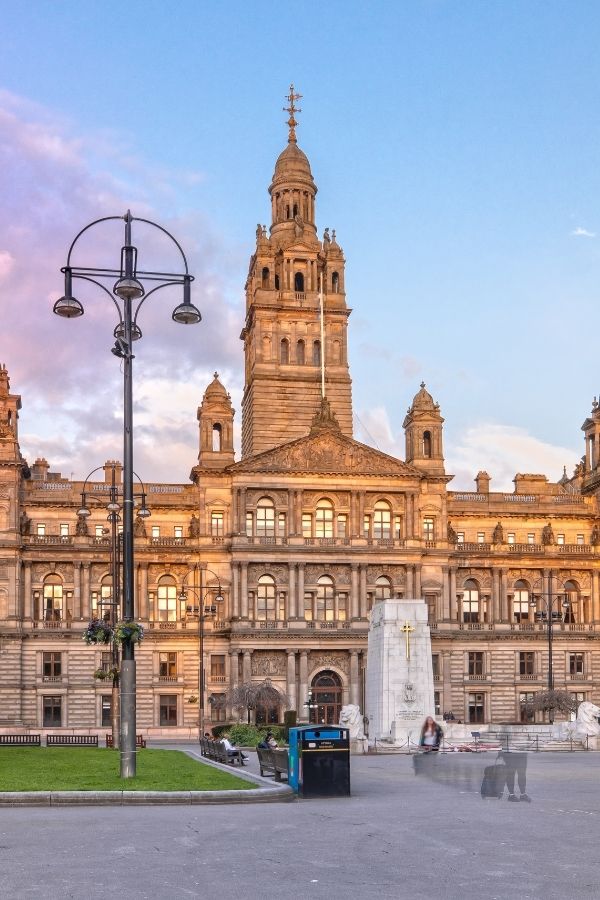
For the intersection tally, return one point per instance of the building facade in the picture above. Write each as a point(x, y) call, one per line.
point(299, 538)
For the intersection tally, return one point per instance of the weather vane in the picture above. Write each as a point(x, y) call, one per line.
point(291, 109)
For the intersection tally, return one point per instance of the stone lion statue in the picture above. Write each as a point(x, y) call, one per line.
point(585, 725)
point(351, 718)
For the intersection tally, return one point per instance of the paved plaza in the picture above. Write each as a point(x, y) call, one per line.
point(399, 835)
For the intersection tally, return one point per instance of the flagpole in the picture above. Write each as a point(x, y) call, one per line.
point(322, 335)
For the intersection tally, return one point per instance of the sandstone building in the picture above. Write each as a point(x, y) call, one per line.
point(301, 537)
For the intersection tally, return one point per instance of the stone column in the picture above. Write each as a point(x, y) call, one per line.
point(361, 513)
point(77, 612)
point(291, 516)
point(595, 596)
point(85, 597)
point(143, 595)
point(292, 606)
point(303, 684)
point(495, 595)
point(354, 607)
point(410, 583)
point(27, 592)
point(417, 581)
point(244, 590)
point(300, 592)
point(299, 503)
point(503, 595)
point(242, 511)
point(354, 678)
point(416, 525)
point(447, 684)
point(291, 679)
point(445, 612)
point(453, 600)
point(202, 511)
point(235, 591)
point(247, 666)
point(355, 527)
point(362, 606)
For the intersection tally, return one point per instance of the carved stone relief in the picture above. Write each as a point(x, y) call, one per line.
point(396, 573)
point(327, 660)
point(340, 573)
point(278, 571)
point(269, 664)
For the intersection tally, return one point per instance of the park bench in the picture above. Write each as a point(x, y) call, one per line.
point(72, 740)
point(273, 761)
point(140, 741)
point(20, 740)
point(216, 751)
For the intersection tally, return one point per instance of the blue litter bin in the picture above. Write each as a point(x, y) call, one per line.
point(319, 761)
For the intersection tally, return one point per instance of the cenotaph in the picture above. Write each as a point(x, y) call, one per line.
point(399, 694)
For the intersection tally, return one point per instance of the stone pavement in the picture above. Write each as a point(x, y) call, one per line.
point(400, 835)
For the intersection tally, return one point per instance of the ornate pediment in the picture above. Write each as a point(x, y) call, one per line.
point(327, 451)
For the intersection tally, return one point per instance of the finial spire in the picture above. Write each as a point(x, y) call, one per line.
point(291, 109)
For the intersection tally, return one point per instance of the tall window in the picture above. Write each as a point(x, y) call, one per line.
point(427, 444)
point(217, 437)
point(575, 663)
point(475, 663)
point(383, 588)
point(527, 663)
point(325, 599)
point(298, 281)
point(526, 713)
point(106, 710)
point(265, 278)
point(342, 525)
point(572, 612)
point(300, 353)
point(476, 707)
point(41, 529)
point(265, 598)
point(428, 528)
point(51, 712)
point(217, 666)
point(284, 352)
point(335, 282)
point(521, 608)
point(435, 664)
point(470, 602)
point(316, 353)
point(53, 598)
point(167, 599)
point(265, 518)
point(382, 520)
point(217, 524)
point(324, 519)
point(52, 666)
point(306, 525)
point(167, 665)
point(64, 529)
point(168, 709)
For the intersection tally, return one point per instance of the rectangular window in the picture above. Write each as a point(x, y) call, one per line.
point(428, 526)
point(510, 537)
point(460, 537)
point(168, 709)
point(178, 531)
point(281, 614)
point(397, 527)
point(526, 714)
point(476, 708)
point(41, 529)
point(437, 703)
point(580, 539)
point(106, 711)
point(306, 525)
point(106, 660)
point(560, 538)
point(167, 665)
point(64, 529)
point(435, 663)
point(476, 663)
point(249, 524)
point(99, 531)
point(366, 526)
point(342, 607)
point(527, 663)
point(281, 524)
point(342, 526)
point(218, 707)
point(531, 538)
point(575, 663)
point(216, 524)
point(480, 537)
point(52, 712)
point(52, 666)
point(308, 606)
point(156, 531)
point(217, 666)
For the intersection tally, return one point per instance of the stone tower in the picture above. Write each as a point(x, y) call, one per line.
point(423, 431)
point(215, 418)
point(283, 333)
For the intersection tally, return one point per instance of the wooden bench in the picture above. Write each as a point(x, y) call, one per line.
point(273, 762)
point(20, 740)
point(216, 751)
point(72, 740)
point(140, 741)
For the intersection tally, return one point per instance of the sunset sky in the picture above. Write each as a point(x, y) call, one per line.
point(456, 148)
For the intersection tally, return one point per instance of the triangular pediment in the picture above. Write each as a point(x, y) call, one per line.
point(327, 452)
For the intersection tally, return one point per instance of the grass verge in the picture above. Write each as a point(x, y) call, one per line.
point(89, 769)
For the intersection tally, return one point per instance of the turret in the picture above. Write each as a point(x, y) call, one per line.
point(423, 431)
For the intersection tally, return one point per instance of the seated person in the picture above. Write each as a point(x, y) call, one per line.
point(231, 750)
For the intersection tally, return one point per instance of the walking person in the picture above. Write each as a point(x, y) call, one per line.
point(431, 735)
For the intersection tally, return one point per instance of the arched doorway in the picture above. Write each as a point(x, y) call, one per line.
point(327, 695)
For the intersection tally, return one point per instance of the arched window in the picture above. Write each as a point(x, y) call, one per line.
point(295, 211)
point(336, 353)
point(325, 611)
point(265, 598)
point(300, 353)
point(106, 598)
point(53, 598)
point(326, 691)
point(266, 347)
point(166, 596)
point(335, 282)
point(383, 588)
point(427, 444)
point(298, 281)
point(382, 520)
point(521, 608)
point(287, 211)
point(217, 437)
point(276, 282)
point(317, 353)
point(284, 352)
point(265, 518)
point(324, 519)
point(572, 612)
point(265, 277)
point(470, 602)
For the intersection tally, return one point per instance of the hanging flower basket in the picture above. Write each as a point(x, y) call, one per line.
point(98, 632)
point(107, 674)
point(129, 631)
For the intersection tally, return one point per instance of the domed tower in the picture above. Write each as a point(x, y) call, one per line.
point(423, 431)
point(215, 417)
point(10, 404)
point(293, 351)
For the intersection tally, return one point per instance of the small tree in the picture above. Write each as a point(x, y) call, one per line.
point(552, 701)
point(251, 694)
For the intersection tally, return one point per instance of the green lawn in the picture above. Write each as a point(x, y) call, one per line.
point(88, 769)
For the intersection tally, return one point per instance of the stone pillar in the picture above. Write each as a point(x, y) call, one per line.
point(503, 595)
point(495, 596)
point(299, 503)
point(546, 573)
point(354, 607)
point(445, 612)
point(302, 711)
point(235, 591)
point(362, 606)
point(291, 679)
point(85, 593)
point(410, 583)
point(361, 513)
point(416, 529)
point(354, 679)
point(77, 612)
point(143, 595)
point(300, 592)
point(202, 511)
point(453, 600)
point(247, 666)
point(291, 612)
point(242, 511)
point(447, 683)
point(417, 581)
point(244, 590)
point(595, 597)
point(355, 527)
point(291, 494)
point(27, 592)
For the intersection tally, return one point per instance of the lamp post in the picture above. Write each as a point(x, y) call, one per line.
point(548, 614)
point(113, 506)
point(311, 705)
point(202, 612)
point(128, 295)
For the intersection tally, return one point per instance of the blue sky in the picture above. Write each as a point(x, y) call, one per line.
point(456, 151)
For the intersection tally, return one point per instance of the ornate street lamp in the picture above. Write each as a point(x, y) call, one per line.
point(311, 706)
point(128, 295)
point(549, 615)
point(204, 610)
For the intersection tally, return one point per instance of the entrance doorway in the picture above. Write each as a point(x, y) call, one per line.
point(327, 695)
